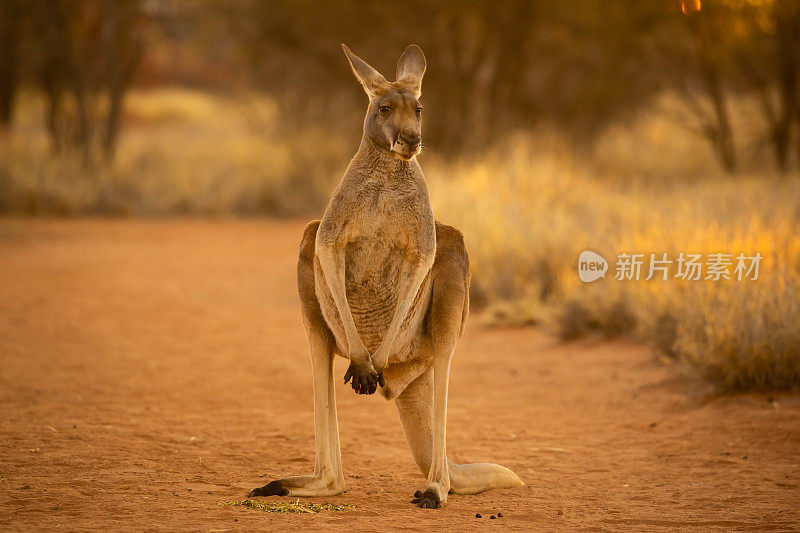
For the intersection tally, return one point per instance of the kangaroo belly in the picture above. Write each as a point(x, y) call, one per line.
point(373, 296)
point(372, 283)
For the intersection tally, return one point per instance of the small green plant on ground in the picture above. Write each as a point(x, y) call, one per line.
point(289, 507)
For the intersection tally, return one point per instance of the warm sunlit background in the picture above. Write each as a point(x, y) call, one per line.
point(550, 128)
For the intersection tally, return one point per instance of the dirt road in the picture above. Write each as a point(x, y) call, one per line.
point(152, 370)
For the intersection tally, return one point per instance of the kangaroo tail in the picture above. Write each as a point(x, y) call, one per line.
point(478, 477)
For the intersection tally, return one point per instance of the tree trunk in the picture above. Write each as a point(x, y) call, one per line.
point(9, 66)
point(118, 87)
point(787, 40)
point(722, 132)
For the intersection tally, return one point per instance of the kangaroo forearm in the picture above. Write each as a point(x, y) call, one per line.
point(334, 277)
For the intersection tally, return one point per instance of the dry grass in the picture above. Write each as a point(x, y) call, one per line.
point(181, 152)
point(527, 210)
point(527, 214)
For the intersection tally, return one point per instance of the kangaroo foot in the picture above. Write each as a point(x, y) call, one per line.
point(301, 486)
point(427, 500)
point(273, 488)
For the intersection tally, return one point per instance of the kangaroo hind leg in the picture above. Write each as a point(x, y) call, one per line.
point(327, 478)
point(423, 405)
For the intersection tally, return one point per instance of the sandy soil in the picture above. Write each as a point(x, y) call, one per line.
point(150, 371)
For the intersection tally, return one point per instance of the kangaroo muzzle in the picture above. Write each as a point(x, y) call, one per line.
point(407, 145)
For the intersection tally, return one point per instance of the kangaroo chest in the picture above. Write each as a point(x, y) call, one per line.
point(374, 275)
point(374, 256)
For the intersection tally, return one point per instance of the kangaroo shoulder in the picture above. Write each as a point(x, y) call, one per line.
point(450, 248)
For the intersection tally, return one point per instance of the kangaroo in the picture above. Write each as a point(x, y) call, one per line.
point(384, 285)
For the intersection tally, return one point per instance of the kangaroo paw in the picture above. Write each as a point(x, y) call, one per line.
point(365, 379)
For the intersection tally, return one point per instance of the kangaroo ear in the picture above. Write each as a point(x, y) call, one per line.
point(411, 68)
point(372, 80)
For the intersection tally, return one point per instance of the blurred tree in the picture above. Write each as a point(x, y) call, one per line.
point(693, 48)
point(495, 66)
point(769, 60)
point(87, 53)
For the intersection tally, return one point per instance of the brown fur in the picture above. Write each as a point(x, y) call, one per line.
point(385, 286)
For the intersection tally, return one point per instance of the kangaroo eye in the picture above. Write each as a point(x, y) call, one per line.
point(385, 109)
point(419, 111)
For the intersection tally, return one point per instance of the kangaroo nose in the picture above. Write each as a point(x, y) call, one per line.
point(411, 140)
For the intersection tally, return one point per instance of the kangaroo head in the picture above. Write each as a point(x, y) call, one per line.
point(394, 115)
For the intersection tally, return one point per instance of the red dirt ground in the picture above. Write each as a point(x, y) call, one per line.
point(151, 370)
